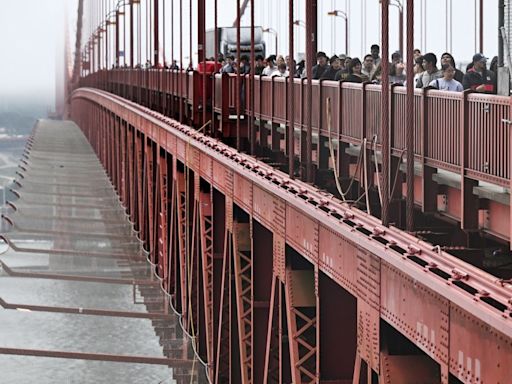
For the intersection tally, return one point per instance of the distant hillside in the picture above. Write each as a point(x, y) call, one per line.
point(18, 117)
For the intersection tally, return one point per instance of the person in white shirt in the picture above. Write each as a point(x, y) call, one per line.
point(281, 71)
point(270, 69)
point(447, 82)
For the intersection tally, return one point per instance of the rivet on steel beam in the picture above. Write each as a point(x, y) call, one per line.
point(378, 231)
point(482, 293)
point(459, 275)
point(413, 250)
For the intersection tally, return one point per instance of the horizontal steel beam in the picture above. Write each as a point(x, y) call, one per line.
point(84, 311)
point(438, 270)
point(173, 363)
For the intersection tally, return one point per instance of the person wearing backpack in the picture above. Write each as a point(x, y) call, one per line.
point(447, 82)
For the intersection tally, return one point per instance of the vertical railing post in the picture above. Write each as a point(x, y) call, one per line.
point(468, 201)
point(428, 186)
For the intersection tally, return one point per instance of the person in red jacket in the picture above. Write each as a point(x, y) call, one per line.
point(479, 78)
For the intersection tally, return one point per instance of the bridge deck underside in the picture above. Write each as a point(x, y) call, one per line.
point(80, 302)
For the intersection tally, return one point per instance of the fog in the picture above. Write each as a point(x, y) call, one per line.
point(430, 36)
point(31, 33)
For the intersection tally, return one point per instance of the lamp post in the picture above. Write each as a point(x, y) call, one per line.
point(344, 16)
point(481, 23)
point(121, 4)
point(108, 23)
point(399, 5)
point(300, 23)
point(272, 32)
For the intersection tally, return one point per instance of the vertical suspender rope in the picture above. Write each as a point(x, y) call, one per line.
point(147, 31)
point(216, 57)
point(139, 33)
point(252, 129)
point(173, 111)
point(180, 83)
point(238, 82)
point(291, 93)
point(385, 113)
point(410, 117)
point(163, 34)
point(190, 33)
point(310, 55)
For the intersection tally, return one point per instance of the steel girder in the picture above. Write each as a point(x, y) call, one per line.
point(387, 284)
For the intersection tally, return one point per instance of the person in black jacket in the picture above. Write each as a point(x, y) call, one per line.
point(479, 78)
point(447, 58)
point(334, 68)
point(258, 70)
point(318, 70)
point(355, 74)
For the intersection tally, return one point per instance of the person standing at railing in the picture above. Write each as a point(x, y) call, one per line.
point(447, 58)
point(270, 69)
point(322, 65)
point(334, 68)
point(281, 71)
point(368, 67)
point(342, 58)
point(397, 69)
point(244, 67)
point(479, 78)
point(228, 66)
point(259, 67)
point(418, 68)
point(174, 66)
point(431, 71)
point(447, 82)
point(375, 52)
point(355, 74)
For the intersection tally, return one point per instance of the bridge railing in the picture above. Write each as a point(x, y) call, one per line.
point(461, 132)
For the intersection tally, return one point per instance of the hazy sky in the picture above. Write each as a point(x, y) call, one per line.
point(429, 36)
point(32, 30)
point(31, 35)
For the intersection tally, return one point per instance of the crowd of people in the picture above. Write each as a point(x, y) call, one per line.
point(428, 71)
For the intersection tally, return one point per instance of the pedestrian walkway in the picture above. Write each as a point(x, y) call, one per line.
point(79, 301)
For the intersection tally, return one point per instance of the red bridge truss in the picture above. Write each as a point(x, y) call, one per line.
point(277, 280)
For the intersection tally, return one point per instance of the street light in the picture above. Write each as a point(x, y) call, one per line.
point(344, 16)
point(272, 32)
point(399, 5)
point(299, 23)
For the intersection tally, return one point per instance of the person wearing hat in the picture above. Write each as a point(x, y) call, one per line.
point(479, 78)
point(334, 68)
point(321, 67)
